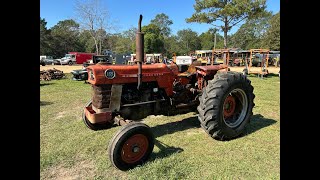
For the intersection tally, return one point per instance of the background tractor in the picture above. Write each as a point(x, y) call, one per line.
point(124, 94)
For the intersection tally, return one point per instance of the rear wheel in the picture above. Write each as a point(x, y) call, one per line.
point(131, 146)
point(226, 105)
point(70, 63)
point(91, 126)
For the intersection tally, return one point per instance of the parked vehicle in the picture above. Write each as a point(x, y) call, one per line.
point(48, 60)
point(45, 60)
point(82, 74)
point(256, 60)
point(42, 62)
point(75, 58)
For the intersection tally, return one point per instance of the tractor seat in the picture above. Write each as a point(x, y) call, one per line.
point(191, 70)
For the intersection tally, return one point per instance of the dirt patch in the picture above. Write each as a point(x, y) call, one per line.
point(60, 115)
point(68, 69)
point(64, 68)
point(272, 69)
point(78, 171)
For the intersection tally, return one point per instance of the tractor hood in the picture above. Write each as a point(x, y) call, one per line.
point(123, 74)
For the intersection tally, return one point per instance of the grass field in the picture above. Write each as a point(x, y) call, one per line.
point(69, 150)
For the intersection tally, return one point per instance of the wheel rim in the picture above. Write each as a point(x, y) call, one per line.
point(134, 148)
point(235, 108)
point(229, 106)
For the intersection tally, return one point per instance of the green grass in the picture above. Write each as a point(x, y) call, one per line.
point(69, 150)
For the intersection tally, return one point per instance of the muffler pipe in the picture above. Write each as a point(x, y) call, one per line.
point(139, 51)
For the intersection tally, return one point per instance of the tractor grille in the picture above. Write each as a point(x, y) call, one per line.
point(101, 96)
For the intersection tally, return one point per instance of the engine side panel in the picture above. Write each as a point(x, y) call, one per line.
point(164, 75)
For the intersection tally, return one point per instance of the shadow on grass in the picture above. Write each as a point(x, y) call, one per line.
point(257, 122)
point(171, 127)
point(268, 76)
point(165, 150)
point(45, 84)
point(273, 75)
point(44, 103)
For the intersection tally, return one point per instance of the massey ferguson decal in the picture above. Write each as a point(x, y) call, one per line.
point(144, 74)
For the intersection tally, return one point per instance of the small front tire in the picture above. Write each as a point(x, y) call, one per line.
point(131, 146)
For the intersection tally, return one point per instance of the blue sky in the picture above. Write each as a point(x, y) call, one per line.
point(126, 12)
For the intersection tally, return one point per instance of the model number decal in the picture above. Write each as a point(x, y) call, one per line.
point(144, 74)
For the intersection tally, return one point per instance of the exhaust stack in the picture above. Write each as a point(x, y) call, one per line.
point(139, 51)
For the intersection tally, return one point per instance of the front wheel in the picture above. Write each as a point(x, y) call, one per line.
point(226, 105)
point(131, 146)
point(70, 63)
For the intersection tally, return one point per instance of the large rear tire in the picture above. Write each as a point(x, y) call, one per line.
point(226, 105)
point(94, 127)
point(131, 146)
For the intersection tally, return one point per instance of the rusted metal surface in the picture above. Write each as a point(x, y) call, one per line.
point(125, 74)
point(139, 51)
point(120, 121)
point(106, 98)
point(229, 106)
point(211, 68)
point(47, 75)
point(101, 96)
point(142, 103)
point(94, 117)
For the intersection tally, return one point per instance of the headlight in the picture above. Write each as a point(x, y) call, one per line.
point(91, 75)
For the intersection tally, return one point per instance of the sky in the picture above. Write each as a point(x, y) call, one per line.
point(125, 13)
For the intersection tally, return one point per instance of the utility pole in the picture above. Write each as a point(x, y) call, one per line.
point(215, 37)
point(214, 48)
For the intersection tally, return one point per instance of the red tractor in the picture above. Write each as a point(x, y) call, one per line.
point(123, 94)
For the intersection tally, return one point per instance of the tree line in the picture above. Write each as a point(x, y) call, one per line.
point(261, 29)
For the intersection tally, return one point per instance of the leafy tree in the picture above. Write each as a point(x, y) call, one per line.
point(251, 33)
point(95, 19)
point(272, 38)
point(163, 21)
point(44, 38)
point(153, 41)
point(207, 39)
point(173, 46)
point(129, 41)
point(188, 40)
point(65, 37)
point(229, 12)
point(86, 41)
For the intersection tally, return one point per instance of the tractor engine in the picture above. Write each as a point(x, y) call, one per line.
point(115, 91)
point(138, 104)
